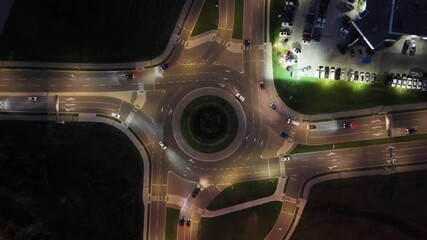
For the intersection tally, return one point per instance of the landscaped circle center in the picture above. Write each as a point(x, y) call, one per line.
point(209, 124)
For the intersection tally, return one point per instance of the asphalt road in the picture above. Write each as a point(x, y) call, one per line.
point(173, 172)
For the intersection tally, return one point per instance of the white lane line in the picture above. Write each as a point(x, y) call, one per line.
point(101, 85)
point(3, 85)
point(85, 85)
point(69, 85)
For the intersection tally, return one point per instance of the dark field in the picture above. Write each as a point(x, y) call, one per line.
point(377, 207)
point(72, 181)
point(88, 31)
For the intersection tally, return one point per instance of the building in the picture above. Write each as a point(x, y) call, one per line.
point(388, 20)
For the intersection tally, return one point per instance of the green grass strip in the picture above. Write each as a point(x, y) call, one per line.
point(208, 18)
point(250, 224)
point(243, 192)
point(238, 19)
point(314, 148)
point(172, 216)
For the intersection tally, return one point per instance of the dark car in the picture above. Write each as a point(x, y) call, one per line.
point(311, 126)
point(261, 85)
point(338, 74)
point(181, 221)
point(129, 76)
point(410, 130)
point(360, 52)
point(164, 67)
point(188, 222)
point(352, 52)
point(341, 49)
point(273, 106)
point(347, 125)
point(247, 42)
point(283, 134)
point(196, 191)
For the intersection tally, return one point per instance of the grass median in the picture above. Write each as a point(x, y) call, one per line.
point(172, 216)
point(243, 192)
point(208, 18)
point(238, 19)
point(251, 224)
point(314, 148)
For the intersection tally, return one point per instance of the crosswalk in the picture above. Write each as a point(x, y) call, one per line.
point(253, 47)
point(158, 198)
point(131, 115)
point(182, 42)
point(140, 87)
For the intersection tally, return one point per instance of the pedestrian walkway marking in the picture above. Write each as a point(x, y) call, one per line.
point(282, 169)
point(140, 86)
point(131, 115)
point(158, 198)
point(290, 199)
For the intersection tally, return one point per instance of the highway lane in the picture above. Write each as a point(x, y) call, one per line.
point(66, 81)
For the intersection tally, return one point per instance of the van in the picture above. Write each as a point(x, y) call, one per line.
point(293, 122)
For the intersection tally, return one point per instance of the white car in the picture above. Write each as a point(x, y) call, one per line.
point(320, 25)
point(115, 115)
point(394, 83)
point(32, 99)
point(285, 158)
point(332, 73)
point(240, 97)
point(322, 72)
point(317, 72)
point(284, 32)
point(296, 51)
point(163, 145)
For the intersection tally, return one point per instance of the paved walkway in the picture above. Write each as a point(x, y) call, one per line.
point(277, 196)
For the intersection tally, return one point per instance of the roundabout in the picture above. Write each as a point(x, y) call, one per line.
point(209, 124)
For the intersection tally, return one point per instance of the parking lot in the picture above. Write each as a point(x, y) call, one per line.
point(324, 53)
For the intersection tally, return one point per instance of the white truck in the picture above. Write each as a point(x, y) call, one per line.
point(293, 122)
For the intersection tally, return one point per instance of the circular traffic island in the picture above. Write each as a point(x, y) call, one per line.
point(209, 124)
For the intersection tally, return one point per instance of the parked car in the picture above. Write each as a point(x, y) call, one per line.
point(412, 48)
point(309, 126)
point(341, 49)
point(406, 46)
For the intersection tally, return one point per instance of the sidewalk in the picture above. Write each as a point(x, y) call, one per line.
point(277, 196)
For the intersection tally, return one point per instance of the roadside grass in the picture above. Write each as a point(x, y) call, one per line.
point(243, 192)
point(172, 216)
point(208, 18)
point(238, 19)
point(381, 207)
point(276, 8)
point(250, 224)
point(316, 96)
point(88, 31)
point(314, 148)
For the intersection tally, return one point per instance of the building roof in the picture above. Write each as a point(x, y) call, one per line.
point(374, 27)
point(387, 19)
point(408, 17)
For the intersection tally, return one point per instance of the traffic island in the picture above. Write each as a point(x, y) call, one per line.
point(209, 124)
